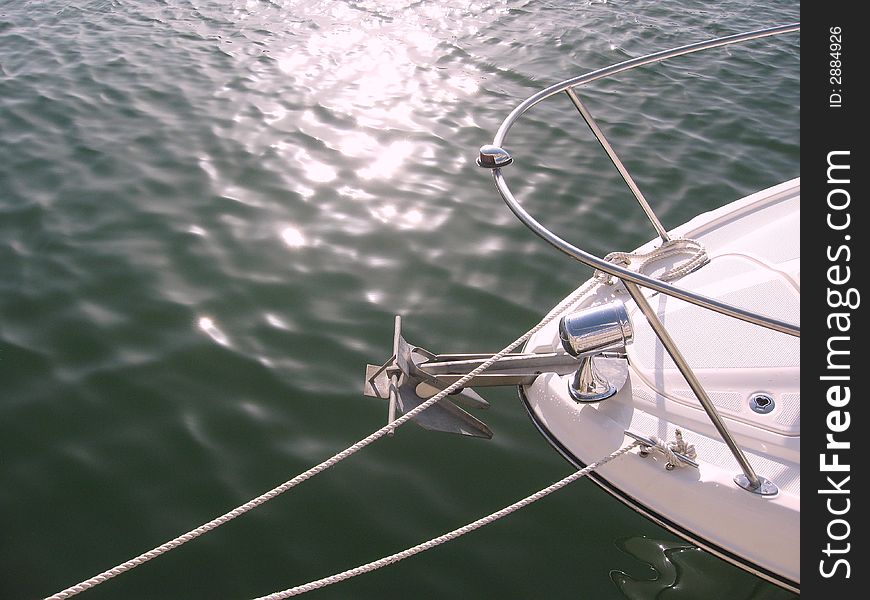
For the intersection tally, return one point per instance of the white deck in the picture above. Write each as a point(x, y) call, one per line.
point(754, 246)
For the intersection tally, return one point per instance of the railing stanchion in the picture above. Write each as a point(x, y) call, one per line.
point(611, 153)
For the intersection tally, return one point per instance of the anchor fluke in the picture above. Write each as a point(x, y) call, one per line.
point(406, 387)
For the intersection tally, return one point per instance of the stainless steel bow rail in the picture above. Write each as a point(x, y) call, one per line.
point(495, 157)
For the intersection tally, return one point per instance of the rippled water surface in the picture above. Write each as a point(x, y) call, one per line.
point(210, 212)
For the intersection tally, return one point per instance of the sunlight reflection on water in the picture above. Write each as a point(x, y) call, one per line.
point(215, 209)
point(207, 325)
point(368, 68)
point(292, 237)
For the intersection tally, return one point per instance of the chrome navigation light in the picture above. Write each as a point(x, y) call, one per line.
point(588, 333)
point(493, 157)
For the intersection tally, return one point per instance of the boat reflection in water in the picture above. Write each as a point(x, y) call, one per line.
point(681, 571)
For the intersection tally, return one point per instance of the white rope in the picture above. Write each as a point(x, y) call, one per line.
point(671, 247)
point(670, 449)
point(251, 504)
point(697, 257)
point(394, 558)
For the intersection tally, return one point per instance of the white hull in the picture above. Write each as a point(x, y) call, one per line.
point(754, 250)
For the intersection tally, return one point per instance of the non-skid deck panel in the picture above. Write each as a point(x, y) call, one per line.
point(755, 264)
point(711, 340)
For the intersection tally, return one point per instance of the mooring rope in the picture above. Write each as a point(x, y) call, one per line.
point(668, 248)
point(276, 491)
point(672, 449)
point(394, 558)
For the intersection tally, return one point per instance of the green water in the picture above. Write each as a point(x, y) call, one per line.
point(209, 214)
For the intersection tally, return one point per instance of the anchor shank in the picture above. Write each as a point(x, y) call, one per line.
point(510, 363)
point(488, 379)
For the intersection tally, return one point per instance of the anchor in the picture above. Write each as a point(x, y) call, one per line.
point(413, 374)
